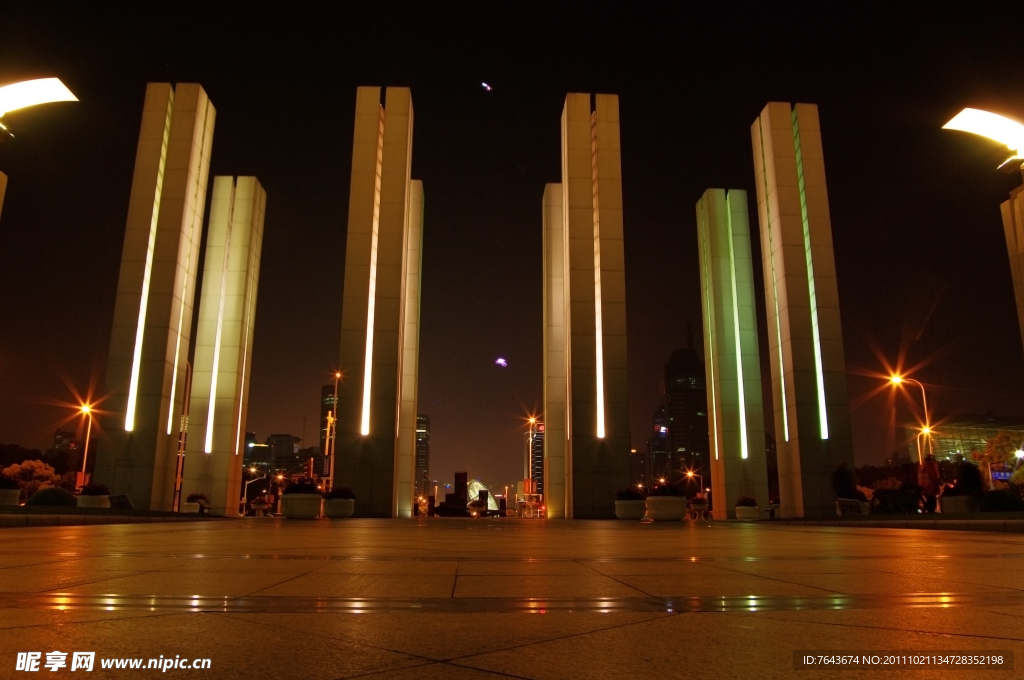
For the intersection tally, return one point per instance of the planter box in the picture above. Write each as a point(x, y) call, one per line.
point(189, 507)
point(666, 508)
point(696, 510)
point(94, 501)
point(630, 509)
point(953, 505)
point(10, 496)
point(337, 508)
point(301, 505)
point(747, 513)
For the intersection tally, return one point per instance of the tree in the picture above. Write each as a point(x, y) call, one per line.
point(1000, 449)
point(32, 475)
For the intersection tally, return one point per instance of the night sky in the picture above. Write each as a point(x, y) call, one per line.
point(921, 258)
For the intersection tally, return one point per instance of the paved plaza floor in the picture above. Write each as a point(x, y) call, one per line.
point(447, 598)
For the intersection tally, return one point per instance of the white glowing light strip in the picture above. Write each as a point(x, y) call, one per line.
point(816, 332)
point(245, 340)
point(736, 330)
point(709, 339)
point(193, 246)
point(371, 301)
point(991, 125)
point(32, 92)
point(220, 327)
point(598, 325)
point(775, 292)
point(140, 329)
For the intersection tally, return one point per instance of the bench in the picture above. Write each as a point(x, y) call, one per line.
point(851, 506)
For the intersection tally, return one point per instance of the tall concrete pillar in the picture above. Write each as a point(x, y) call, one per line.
point(556, 471)
point(735, 413)
point(805, 340)
point(223, 355)
point(594, 318)
point(149, 342)
point(1013, 227)
point(375, 331)
point(405, 452)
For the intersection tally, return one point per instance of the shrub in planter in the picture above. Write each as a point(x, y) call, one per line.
point(94, 496)
point(10, 490)
point(666, 502)
point(94, 490)
point(630, 503)
point(1001, 501)
point(191, 504)
point(301, 500)
point(53, 496)
point(746, 508)
point(340, 503)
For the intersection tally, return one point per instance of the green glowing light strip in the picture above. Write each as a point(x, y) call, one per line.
point(820, 375)
point(775, 292)
point(736, 331)
point(708, 319)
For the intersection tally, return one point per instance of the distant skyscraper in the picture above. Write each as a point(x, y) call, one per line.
point(284, 454)
point(686, 406)
point(659, 456)
point(151, 333)
point(640, 468)
point(423, 487)
point(537, 457)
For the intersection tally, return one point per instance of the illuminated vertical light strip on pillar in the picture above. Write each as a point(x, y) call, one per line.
point(706, 235)
point(250, 281)
point(598, 325)
point(736, 331)
point(140, 329)
point(196, 200)
point(212, 410)
point(368, 367)
point(775, 291)
point(819, 372)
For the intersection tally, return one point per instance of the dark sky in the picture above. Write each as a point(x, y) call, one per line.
point(921, 259)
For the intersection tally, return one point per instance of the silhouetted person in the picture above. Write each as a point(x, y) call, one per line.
point(930, 480)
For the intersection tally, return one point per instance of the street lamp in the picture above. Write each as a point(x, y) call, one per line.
point(28, 93)
point(993, 126)
point(896, 380)
point(86, 411)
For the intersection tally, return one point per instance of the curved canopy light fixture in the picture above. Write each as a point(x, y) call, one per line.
point(32, 92)
point(998, 128)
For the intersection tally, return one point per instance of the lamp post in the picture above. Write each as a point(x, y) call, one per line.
point(332, 426)
point(28, 93)
point(897, 380)
point(86, 411)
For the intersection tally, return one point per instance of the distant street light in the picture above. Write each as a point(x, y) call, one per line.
point(86, 411)
point(690, 474)
point(926, 429)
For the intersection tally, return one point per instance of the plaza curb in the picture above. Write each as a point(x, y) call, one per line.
point(19, 520)
point(990, 525)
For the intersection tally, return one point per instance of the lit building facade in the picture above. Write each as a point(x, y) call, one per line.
point(686, 411)
point(587, 452)
point(423, 486)
point(731, 358)
point(149, 341)
point(659, 455)
point(955, 438)
point(328, 407)
point(222, 366)
point(536, 448)
point(376, 429)
point(805, 340)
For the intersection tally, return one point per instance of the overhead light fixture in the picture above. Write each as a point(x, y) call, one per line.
point(994, 126)
point(32, 92)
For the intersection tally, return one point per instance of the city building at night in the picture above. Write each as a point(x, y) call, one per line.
point(686, 409)
point(659, 455)
point(423, 485)
point(805, 341)
point(735, 413)
point(376, 430)
point(535, 446)
point(639, 469)
point(955, 438)
point(151, 333)
point(587, 455)
point(327, 407)
point(222, 366)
